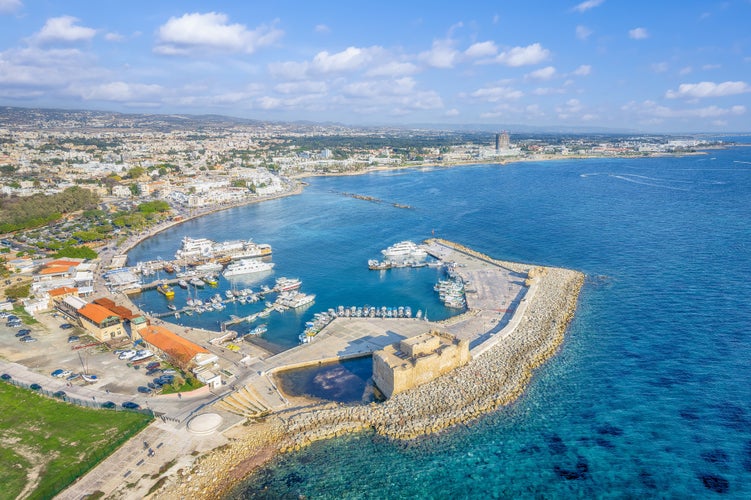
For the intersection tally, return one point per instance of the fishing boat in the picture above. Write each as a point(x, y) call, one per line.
point(166, 290)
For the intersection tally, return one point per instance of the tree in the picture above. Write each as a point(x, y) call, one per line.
point(81, 252)
point(136, 172)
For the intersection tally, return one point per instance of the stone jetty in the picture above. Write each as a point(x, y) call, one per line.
point(494, 378)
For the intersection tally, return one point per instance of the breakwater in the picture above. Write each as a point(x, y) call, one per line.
point(492, 379)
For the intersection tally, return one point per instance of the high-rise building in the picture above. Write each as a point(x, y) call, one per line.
point(502, 141)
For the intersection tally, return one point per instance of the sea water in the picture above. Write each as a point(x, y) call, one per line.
point(650, 394)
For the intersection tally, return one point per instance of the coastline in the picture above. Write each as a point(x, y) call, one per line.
point(491, 380)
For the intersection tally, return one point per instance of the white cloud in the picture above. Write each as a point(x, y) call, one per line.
point(588, 4)
point(660, 67)
point(708, 67)
point(708, 89)
point(349, 59)
point(545, 73)
point(481, 49)
point(378, 88)
point(583, 70)
point(10, 6)
point(211, 31)
point(651, 108)
point(306, 87)
point(63, 29)
point(495, 94)
point(582, 32)
point(393, 69)
point(523, 56)
point(685, 70)
point(114, 37)
point(452, 112)
point(441, 55)
point(322, 28)
point(638, 33)
point(119, 91)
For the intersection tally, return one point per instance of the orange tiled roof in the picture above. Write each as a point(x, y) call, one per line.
point(95, 313)
point(170, 343)
point(121, 311)
point(63, 290)
point(54, 269)
point(63, 262)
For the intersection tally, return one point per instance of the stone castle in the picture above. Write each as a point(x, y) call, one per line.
point(417, 360)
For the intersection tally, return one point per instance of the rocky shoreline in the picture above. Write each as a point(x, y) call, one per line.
point(491, 380)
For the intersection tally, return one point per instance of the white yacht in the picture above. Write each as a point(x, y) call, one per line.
point(247, 266)
point(404, 250)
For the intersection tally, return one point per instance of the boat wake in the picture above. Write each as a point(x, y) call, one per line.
point(646, 181)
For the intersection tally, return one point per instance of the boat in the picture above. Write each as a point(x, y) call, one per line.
point(295, 299)
point(404, 250)
point(89, 378)
point(166, 290)
point(209, 267)
point(260, 329)
point(182, 283)
point(127, 354)
point(172, 307)
point(169, 268)
point(211, 281)
point(141, 355)
point(203, 248)
point(197, 282)
point(285, 284)
point(247, 266)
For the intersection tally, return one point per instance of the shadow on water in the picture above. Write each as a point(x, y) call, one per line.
point(345, 382)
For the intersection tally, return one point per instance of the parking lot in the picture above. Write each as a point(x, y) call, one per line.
point(52, 351)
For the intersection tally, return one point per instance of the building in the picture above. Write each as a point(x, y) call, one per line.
point(179, 350)
point(502, 141)
point(101, 323)
point(415, 361)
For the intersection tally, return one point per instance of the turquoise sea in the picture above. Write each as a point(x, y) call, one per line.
point(650, 394)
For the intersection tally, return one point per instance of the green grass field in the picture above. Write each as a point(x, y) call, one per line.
point(46, 444)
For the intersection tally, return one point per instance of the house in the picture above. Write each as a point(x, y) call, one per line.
point(179, 350)
point(101, 323)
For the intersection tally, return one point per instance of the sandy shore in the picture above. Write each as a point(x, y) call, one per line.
point(491, 380)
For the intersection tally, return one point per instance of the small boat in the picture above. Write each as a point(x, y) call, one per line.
point(260, 329)
point(142, 354)
point(198, 282)
point(182, 283)
point(89, 378)
point(211, 281)
point(172, 307)
point(166, 290)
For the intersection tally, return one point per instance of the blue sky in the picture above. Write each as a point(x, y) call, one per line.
point(665, 66)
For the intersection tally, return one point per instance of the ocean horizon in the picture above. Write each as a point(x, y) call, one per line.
point(648, 396)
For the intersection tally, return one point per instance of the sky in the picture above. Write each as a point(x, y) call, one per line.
point(652, 66)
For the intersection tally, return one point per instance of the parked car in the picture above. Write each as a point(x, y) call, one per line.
point(108, 405)
point(5, 376)
point(66, 326)
point(130, 405)
point(58, 373)
point(143, 390)
point(73, 338)
point(22, 333)
point(35, 387)
point(59, 394)
point(28, 339)
point(153, 372)
point(153, 365)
